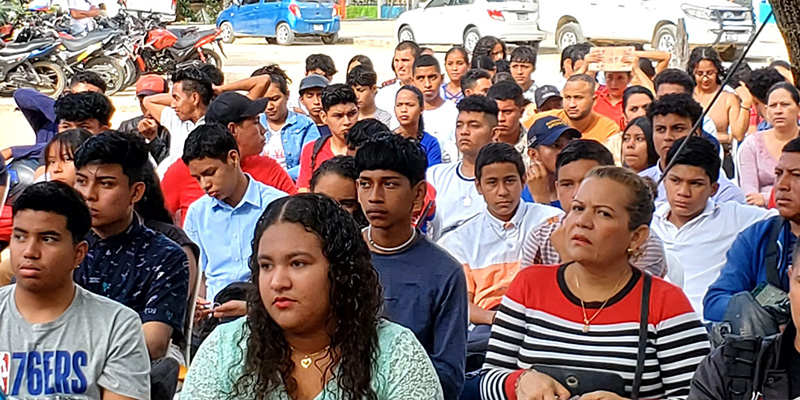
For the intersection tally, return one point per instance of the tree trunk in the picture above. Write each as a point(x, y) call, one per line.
point(787, 15)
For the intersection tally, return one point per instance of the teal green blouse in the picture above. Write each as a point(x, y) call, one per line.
point(402, 370)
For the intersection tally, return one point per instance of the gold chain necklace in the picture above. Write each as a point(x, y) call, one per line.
point(307, 359)
point(586, 320)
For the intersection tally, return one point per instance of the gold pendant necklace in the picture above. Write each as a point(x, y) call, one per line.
point(307, 359)
point(586, 320)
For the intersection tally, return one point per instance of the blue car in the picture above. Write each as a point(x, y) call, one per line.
point(280, 21)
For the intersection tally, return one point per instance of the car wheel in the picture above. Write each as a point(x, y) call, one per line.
point(405, 35)
point(283, 34)
point(666, 38)
point(569, 34)
point(471, 37)
point(330, 39)
point(226, 32)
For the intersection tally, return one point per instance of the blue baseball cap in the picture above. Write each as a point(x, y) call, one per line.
point(546, 131)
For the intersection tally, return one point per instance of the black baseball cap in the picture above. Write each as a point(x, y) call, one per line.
point(233, 107)
point(544, 93)
point(547, 130)
point(313, 81)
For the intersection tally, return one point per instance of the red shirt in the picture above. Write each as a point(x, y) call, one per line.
point(325, 154)
point(604, 106)
point(181, 190)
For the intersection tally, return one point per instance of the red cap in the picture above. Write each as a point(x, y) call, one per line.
point(150, 85)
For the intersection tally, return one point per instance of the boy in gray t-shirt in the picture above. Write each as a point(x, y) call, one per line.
point(58, 340)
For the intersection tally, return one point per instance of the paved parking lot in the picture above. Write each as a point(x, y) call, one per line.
point(372, 38)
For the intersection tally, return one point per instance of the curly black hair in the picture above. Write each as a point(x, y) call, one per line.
point(485, 47)
point(761, 80)
point(705, 53)
point(355, 304)
point(76, 107)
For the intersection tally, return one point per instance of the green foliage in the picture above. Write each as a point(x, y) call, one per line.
point(207, 15)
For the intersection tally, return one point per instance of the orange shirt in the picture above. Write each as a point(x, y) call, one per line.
point(599, 130)
point(604, 106)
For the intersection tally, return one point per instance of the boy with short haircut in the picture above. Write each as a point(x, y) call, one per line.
point(38, 110)
point(546, 244)
point(240, 116)
point(182, 111)
point(127, 261)
point(694, 228)
point(339, 113)
point(457, 198)
point(510, 106)
point(311, 99)
point(364, 82)
point(476, 81)
point(84, 344)
point(222, 222)
point(489, 246)
point(322, 65)
point(402, 64)
point(546, 138)
point(439, 114)
point(424, 287)
point(522, 66)
point(88, 110)
point(673, 117)
point(676, 81)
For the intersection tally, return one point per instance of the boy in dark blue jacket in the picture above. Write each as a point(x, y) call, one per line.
point(746, 265)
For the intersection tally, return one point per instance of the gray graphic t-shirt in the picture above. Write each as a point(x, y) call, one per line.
point(96, 343)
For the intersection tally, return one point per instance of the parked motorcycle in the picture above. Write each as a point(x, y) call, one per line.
point(163, 51)
point(34, 65)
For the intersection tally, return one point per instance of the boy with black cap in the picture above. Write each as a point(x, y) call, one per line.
point(146, 125)
point(240, 116)
point(548, 98)
point(311, 99)
point(546, 138)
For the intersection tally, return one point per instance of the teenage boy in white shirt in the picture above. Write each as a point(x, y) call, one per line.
point(695, 228)
point(489, 246)
point(440, 114)
point(457, 198)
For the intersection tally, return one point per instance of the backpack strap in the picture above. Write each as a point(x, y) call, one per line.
point(644, 315)
point(318, 144)
point(771, 256)
point(741, 354)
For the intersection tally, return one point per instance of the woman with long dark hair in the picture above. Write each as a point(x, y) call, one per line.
point(730, 115)
point(456, 64)
point(312, 328)
point(408, 107)
point(638, 150)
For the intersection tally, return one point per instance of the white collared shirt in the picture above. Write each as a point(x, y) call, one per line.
point(491, 250)
point(702, 243)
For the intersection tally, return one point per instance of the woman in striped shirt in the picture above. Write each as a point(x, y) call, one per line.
point(585, 315)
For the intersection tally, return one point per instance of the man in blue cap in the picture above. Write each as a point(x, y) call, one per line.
point(546, 138)
point(311, 100)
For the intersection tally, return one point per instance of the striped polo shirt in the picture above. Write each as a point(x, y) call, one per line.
point(540, 322)
point(490, 250)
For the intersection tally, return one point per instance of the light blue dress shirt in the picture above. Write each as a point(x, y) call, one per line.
point(225, 234)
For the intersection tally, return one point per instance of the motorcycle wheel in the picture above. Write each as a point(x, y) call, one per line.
point(131, 72)
point(55, 80)
point(111, 70)
point(212, 58)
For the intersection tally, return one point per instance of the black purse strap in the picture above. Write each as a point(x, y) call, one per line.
point(644, 314)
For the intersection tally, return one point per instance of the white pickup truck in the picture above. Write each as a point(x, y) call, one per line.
point(723, 24)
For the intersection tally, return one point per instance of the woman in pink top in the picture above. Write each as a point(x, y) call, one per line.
point(760, 151)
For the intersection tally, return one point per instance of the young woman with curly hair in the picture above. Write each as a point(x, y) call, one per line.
point(298, 344)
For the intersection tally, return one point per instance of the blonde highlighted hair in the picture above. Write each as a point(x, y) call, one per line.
point(641, 204)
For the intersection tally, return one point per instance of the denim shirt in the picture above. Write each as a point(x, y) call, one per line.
point(298, 130)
